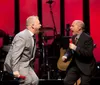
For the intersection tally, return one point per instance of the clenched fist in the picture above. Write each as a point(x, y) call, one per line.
point(64, 58)
point(72, 46)
point(16, 74)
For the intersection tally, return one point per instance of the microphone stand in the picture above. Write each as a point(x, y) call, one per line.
point(45, 59)
point(50, 3)
point(67, 29)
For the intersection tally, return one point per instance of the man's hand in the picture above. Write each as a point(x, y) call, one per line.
point(16, 74)
point(64, 58)
point(72, 46)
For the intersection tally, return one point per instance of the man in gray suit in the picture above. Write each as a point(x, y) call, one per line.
point(22, 51)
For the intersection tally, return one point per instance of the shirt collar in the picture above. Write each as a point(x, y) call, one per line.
point(31, 33)
point(78, 35)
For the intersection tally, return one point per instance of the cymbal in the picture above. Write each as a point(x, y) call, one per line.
point(48, 37)
point(45, 29)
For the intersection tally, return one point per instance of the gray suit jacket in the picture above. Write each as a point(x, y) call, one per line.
point(19, 57)
point(20, 53)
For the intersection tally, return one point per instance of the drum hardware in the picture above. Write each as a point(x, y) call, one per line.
point(46, 38)
point(50, 2)
point(46, 29)
point(44, 41)
point(45, 67)
point(67, 29)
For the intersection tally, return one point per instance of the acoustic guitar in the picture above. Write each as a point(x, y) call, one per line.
point(61, 65)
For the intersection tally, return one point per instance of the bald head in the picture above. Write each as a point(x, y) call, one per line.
point(77, 27)
point(33, 24)
point(79, 23)
point(31, 20)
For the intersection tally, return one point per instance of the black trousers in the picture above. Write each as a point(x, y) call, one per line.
point(73, 74)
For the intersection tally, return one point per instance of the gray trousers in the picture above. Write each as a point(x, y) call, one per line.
point(31, 77)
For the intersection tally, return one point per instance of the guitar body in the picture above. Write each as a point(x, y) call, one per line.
point(61, 65)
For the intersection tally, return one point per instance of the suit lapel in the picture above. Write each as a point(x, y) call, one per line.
point(27, 34)
point(73, 39)
point(80, 40)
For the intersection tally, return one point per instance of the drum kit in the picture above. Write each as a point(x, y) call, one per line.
point(44, 66)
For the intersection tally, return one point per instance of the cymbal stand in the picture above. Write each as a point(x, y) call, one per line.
point(50, 5)
point(67, 29)
point(45, 65)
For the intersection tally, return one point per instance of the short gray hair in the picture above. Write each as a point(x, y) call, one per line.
point(30, 20)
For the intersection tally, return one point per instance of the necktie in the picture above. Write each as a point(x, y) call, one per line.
point(34, 38)
point(76, 40)
point(32, 60)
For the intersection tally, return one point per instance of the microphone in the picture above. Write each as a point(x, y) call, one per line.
point(9, 70)
point(70, 41)
point(21, 77)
